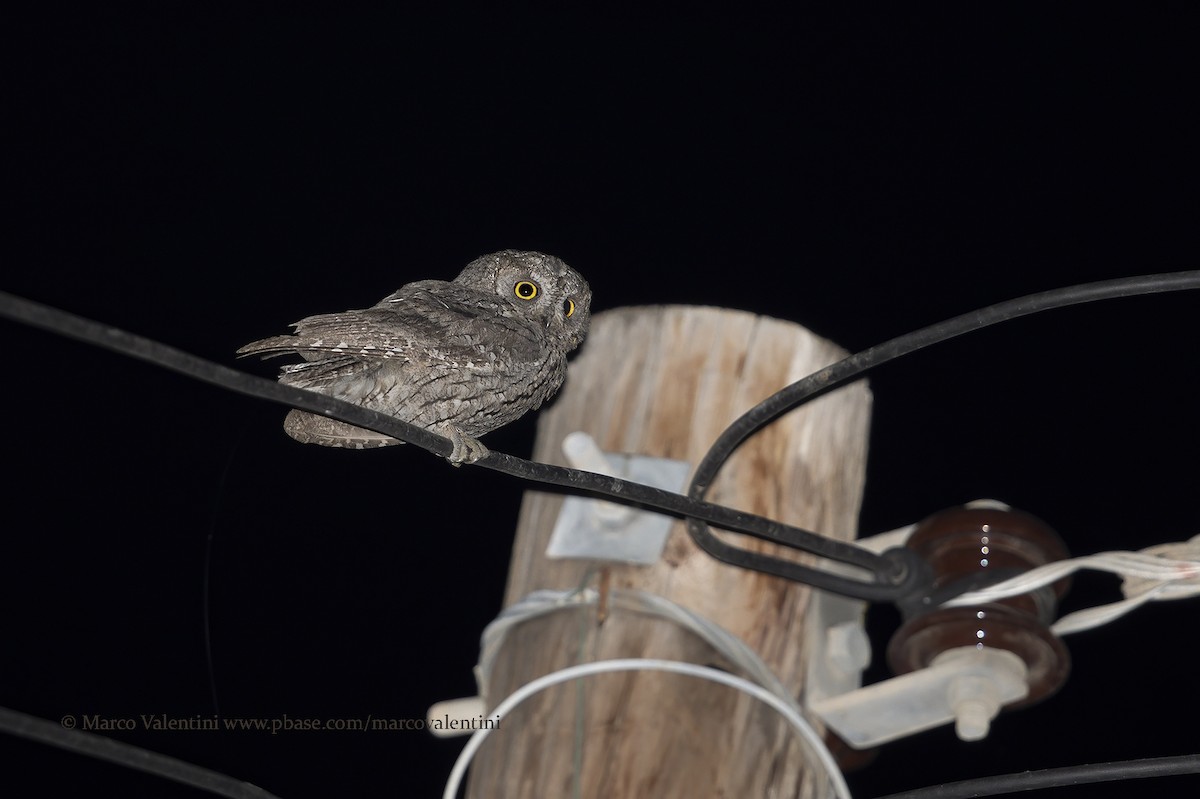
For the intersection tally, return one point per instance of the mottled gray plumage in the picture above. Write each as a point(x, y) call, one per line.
point(459, 358)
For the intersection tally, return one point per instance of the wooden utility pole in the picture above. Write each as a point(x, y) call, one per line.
point(665, 381)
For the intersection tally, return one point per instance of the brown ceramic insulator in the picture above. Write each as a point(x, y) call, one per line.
point(924, 637)
point(964, 542)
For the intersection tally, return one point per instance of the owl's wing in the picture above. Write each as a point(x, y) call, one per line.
point(418, 319)
point(366, 333)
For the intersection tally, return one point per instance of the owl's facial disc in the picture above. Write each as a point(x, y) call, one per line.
point(542, 288)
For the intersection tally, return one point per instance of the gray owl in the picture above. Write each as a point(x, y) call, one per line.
point(460, 358)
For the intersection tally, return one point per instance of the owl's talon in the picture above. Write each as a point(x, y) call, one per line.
point(466, 449)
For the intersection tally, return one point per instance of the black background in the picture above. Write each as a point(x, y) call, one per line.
point(204, 174)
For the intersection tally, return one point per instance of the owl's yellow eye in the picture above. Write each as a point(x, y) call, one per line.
point(525, 290)
point(568, 307)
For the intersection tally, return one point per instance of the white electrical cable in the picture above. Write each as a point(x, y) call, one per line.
point(1093, 617)
point(1165, 571)
point(785, 709)
point(741, 657)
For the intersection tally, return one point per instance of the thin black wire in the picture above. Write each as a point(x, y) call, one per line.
point(101, 748)
point(855, 366)
point(886, 588)
point(1057, 777)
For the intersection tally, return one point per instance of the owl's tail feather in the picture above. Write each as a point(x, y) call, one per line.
point(269, 347)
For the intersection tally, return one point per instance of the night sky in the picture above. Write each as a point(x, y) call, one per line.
point(205, 174)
